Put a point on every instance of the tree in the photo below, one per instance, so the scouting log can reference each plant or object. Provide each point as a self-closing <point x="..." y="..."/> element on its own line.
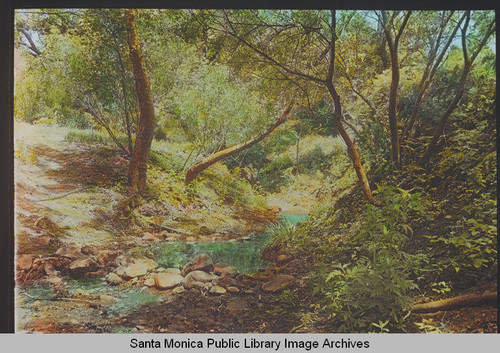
<point x="145" y="128"/>
<point x="392" y="40"/>
<point x="274" y="38"/>
<point x="193" y="172"/>
<point x="468" y="62"/>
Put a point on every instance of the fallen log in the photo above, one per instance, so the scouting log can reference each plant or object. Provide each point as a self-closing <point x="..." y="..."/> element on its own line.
<point x="488" y="297"/>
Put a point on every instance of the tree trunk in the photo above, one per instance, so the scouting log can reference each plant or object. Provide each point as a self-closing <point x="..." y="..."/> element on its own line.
<point x="193" y="172"/>
<point x="393" y="102"/>
<point x="145" y="127"/>
<point x="456" y="303"/>
<point x="393" y="44"/>
<point x="352" y="151"/>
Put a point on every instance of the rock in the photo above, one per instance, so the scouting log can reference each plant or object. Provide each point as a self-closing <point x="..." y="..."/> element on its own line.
<point x="283" y="258"/>
<point x="202" y="286"/>
<point x="98" y="273"/>
<point x="81" y="294"/>
<point x="105" y="257"/>
<point x="89" y="250"/>
<point x="151" y="264"/>
<point x="25" y="261"/>
<point x="124" y="260"/>
<point x="70" y="251"/>
<point x="80" y="267"/>
<point x="107" y="299"/>
<point x="197" y="276"/>
<point x="136" y="270"/>
<point x="113" y="279"/>
<point x="200" y="263"/>
<point x="44" y="240"/>
<point x="277" y="283"/>
<point x="178" y="290"/>
<point x="149" y="254"/>
<point x="232" y="289"/>
<point x="167" y="280"/>
<point x="120" y="271"/>
<point x="224" y="270"/>
<point x="175" y="271"/>
<point x="149" y="282"/>
<point x="149" y="237"/>
<point x="49" y="269"/>
<point x="217" y="290"/>
<point x="55" y="280"/>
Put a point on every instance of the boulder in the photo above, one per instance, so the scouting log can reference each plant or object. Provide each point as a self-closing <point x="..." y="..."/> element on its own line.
<point x="107" y="299"/>
<point x="224" y="270"/>
<point x="149" y="282"/>
<point x="124" y="260"/>
<point x="120" y="271"/>
<point x="232" y="289"/>
<point x="167" y="280"/>
<point x="25" y="261"/>
<point x="277" y="283"/>
<point x="200" y="263"/>
<point x="197" y="276"/>
<point x="175" y="271"/>
<point x="105" y="257"/>
<point x="150" y="263"/>
<point x="113" y="279"/>
<point x="89" y="250"/>
<point x="80" y="267"/>
<point x="217" y="290"/>
<point x="50" y="269"/>
<point x="71" y="251"/>
<point x="55" y="280"/>
<point x="136" y="270"/>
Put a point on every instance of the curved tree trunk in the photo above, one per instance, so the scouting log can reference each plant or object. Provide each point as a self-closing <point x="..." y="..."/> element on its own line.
<point x="145" y="127"/>
<point x="193" y="172"/>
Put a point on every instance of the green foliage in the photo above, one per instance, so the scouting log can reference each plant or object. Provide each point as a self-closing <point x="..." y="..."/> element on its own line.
<point x="315" y="160"/>
<point x="276" y="174"/>
<point x="92" y="137"/>
<point x="375" y="285"/>
<point x="281" y="234"/>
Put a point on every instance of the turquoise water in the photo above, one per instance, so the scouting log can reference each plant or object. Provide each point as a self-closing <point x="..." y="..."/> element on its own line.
<point x="244" y="255"/>
<point x="294" y="218"/>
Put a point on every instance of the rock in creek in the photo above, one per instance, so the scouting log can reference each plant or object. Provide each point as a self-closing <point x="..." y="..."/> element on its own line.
<point x="277" y="283"/>
<point x="136" y="270"/>
<point x="107" y="299"/>
<point x="167" y="280"/>
<point x="80" y="267"/>
<point x="200" y="263"/>
<point x="113" y="279"/>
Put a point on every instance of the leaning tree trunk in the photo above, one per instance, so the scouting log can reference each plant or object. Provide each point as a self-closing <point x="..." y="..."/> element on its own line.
<point x="193" y="172"/>
<point x="145" y="127"/>
<point x="352" y="151"/>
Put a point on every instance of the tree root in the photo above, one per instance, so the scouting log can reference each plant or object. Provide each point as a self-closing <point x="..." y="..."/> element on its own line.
<point x="456" y="303"/>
